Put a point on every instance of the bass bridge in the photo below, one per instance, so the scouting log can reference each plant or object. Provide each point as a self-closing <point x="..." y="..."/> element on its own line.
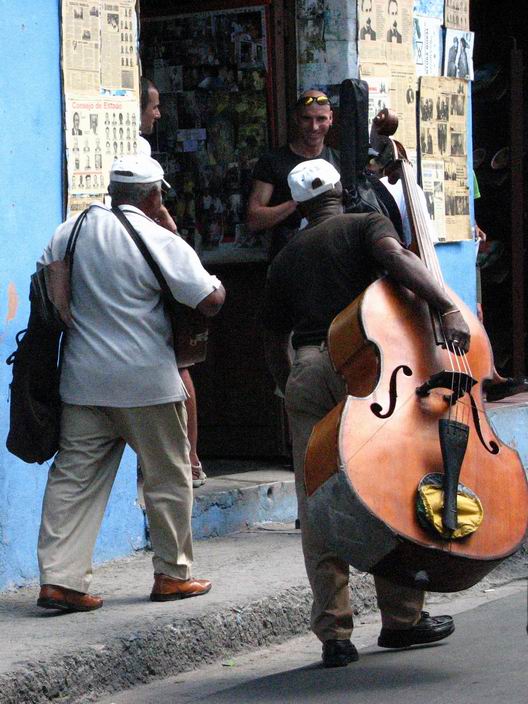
<point x="458" y="383"/>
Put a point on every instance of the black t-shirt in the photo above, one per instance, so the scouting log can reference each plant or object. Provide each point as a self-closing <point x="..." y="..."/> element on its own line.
<point x="274" y="168"/>
<point x="321" y="271"/>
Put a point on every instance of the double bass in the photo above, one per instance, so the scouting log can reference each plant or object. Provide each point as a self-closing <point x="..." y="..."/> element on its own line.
<point x="413" y="419"/>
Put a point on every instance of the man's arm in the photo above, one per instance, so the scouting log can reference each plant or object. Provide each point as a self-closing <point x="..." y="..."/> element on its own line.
<point x="211" y="304"/>
<point x="166" y="220"/>
<point x="261" y="216"/>
<point x="276" y="350"/>
<point x="407" y="269"/>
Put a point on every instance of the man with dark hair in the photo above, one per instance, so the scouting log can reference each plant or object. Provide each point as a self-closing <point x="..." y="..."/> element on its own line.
<point x="315" y="276"/>
<point x="120" y="385"/>
<point x="270" y="206"/>
<point x="150" y="114"/>
<point x="149" y="104"/>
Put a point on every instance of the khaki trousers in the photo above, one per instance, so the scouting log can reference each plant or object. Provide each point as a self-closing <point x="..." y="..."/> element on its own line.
<point x="92" y="442"/>
<point x="313" y="389"/>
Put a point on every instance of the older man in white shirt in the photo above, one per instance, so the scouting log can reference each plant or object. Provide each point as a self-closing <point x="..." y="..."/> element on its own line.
<point x="120" y="385"/>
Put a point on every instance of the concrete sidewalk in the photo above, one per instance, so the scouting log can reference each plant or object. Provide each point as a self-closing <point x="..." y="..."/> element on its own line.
<point x="259" y="596"/>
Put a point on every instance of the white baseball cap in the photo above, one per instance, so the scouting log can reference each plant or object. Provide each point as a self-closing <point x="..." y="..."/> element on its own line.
<point x="137" y="168"/>
<point x="302" y="177"/>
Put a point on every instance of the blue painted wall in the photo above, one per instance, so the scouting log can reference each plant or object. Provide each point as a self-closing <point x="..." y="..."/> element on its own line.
<point x="30" y="209"/>
<point x="457" y="260"/>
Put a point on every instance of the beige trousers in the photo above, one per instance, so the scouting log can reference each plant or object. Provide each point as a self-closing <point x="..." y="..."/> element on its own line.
<point x="313" y="389"/>
<point x="92" y="442"/>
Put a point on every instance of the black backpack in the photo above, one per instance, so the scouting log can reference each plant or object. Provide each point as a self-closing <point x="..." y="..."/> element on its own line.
<point x="34" y="403"/>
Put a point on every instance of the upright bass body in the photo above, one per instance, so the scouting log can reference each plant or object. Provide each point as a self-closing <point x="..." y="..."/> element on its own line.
<point x="367" y="457"/>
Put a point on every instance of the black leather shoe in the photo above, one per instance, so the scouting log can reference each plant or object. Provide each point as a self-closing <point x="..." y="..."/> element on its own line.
<point x="429" y="629"/>
<point x="338" y="653"/>
<point x="508" y="387"/>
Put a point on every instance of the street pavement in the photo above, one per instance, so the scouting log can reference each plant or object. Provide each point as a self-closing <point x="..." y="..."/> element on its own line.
<point x="484" y="661"/>
<point x="260" y="597"/>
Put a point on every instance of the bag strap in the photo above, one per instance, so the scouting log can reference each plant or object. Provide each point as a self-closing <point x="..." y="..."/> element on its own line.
<point x="134" y="234"/>
<point x="70" y="250"/>
<point x="74" y="235"/>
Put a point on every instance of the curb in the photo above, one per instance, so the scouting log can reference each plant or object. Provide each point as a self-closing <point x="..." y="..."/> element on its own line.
<point x="161" y="651"/>
<point x="224" y="511"/>
<point x="142" y="655"/>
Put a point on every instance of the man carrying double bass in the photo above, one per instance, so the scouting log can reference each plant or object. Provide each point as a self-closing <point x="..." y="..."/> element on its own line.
<point x="317" y="274"/>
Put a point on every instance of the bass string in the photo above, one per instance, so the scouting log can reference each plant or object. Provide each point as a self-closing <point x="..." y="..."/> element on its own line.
<point x="420" y="222"/>
<point x="421" y="226"/>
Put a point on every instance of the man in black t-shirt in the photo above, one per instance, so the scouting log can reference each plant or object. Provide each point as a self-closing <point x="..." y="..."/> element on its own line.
<point x="315" y="276"/>
<point x="272" y="170"/>
<point x="270" y="205"/>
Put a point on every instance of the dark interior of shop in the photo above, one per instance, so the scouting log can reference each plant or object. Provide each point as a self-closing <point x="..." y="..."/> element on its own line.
<point x="499" y="91"/>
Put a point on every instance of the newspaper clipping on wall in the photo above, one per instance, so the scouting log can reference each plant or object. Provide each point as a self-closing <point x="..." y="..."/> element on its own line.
<point x="443" y="148"/>
<point x="394" y="88"/>
<point x="385" y="31"/>
<point x="98" y="130"/>
<point x="458" y="54"/>
<point x="385" y="47"/>
<point x="457" y="14"/>
<point x="99" y="42"/>
<point x="427" y="45"/>
<point x="101" y="93"/>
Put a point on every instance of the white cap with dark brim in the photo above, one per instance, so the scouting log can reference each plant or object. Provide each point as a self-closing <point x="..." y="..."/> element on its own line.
<point x="137" y="168"/>
<point x="310" y="178"/>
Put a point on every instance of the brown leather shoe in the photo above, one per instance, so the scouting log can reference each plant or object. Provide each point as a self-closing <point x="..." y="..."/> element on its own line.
<point x="62" y="599"/>
<point x="168" y="589"/>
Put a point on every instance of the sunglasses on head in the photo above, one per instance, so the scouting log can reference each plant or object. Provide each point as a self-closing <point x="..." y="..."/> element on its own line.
<point x="309" y="99"/>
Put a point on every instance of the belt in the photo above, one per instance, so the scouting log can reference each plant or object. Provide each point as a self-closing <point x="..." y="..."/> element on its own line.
<point x="320" y="346"/>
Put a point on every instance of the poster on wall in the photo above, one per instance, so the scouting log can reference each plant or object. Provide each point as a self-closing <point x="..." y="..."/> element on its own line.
<point x="427" y="45"/>
<point x="101" y="93"/>
<point x="212" y="72"/>
<point x="97" y="131"/>
<point x="458" y="54"/>
<point x="457" y="14"/>
<point x="385" y="48"/>
<point x="430" y="8"/>
<point x="394" y="87"/>
<point x="385" y="31"/>
<point x="443" y="121"/>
